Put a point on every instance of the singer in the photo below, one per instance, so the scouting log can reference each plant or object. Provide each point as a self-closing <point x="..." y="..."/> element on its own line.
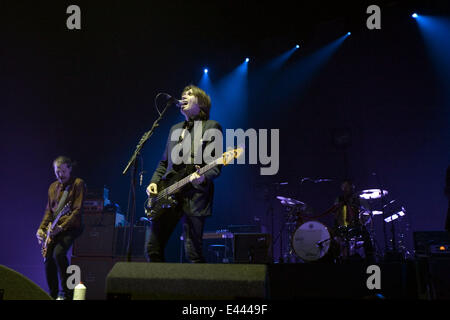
<point x="195" y="201"/>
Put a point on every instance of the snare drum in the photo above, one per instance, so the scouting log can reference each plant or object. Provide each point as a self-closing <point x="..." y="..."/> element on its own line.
<point x="311" y="241"/>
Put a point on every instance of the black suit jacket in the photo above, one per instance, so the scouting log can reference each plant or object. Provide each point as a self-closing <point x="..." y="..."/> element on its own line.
<point x="196" y="200"/>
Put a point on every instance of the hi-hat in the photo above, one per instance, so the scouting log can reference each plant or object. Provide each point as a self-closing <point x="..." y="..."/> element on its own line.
<point x="372" y="194"/>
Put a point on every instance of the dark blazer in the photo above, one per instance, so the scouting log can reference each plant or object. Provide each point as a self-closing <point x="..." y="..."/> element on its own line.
<point x="73" y="220"/>
<point x="196" y="200"/>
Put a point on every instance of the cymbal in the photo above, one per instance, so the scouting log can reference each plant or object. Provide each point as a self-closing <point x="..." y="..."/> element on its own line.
<point x="374" y="212"/>
<point x="372" y="194"/>
<point x="289" y="201"/>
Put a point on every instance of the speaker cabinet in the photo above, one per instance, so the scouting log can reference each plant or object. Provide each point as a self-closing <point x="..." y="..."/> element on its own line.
<point x="15" y="286"/>
<point x="95" y="241"/>
<point x="133" y="280"/>
<point x="252" y="248"/>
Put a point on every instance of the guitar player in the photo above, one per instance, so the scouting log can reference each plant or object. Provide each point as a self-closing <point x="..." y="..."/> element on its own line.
<point x="65" y="189"/>
<point x="195" y="202"/>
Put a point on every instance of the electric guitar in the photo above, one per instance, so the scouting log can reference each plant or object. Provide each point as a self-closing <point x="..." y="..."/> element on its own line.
<point x="51" y="226"/>
<point x="176" y="181"/>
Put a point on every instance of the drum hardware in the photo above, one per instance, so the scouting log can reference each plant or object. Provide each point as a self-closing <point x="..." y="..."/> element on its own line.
<point x="320" y="244"/>
<point x="374" y="203"/>
<point x="293" y="209"/>
<point x="315" y="180"/>
<point x="267" y="190"/>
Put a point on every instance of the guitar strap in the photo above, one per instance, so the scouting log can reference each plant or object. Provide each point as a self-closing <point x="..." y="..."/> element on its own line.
<point x="62" y="201"/>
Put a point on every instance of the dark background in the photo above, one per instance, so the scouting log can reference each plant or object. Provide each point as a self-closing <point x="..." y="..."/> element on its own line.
<point x="89" y="94"/>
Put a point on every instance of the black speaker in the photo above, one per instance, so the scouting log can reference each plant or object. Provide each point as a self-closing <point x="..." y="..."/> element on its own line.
<point x="252" y="248"/>
<point x="15" y="286"/>
<point x="134" y="280"/>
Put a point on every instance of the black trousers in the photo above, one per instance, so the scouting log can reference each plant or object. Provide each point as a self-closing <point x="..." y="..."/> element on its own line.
<point x="162" y="228"/>
<point x="57" y="262"/>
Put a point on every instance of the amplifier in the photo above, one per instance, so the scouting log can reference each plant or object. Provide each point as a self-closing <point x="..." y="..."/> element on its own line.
<point x="93" y="205"/>
<point x="98" y="235"/>
<point x="428" y="243"/>
<point x="252" y="248"/>
<point x="97" y="193"/>
<point x="141" y="235"/>
<point x="440" y="250"/>
<point x="103" y="219"/>
<point x="95" y="241"/>
<point x="217" y="247"/>
<point x="244" y="228"/>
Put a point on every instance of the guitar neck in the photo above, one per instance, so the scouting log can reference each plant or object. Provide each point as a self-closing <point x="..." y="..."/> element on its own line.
<point x="178" y="185"/>
<point x="62" y="212"/>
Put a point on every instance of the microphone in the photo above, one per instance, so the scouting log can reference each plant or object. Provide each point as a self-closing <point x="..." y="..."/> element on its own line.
<point x="171" y="99"/>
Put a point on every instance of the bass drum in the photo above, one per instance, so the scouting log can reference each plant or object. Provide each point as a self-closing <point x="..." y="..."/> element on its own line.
<point x="311" y="241"/>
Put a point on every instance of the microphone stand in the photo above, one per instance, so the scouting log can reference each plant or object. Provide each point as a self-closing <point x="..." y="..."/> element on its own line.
<point x="132" y="163"/>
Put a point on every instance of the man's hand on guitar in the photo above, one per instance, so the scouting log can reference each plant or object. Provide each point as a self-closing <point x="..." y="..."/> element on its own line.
<point x="40" y="234"/>
<point x="195" y="178"/>
<point x="152" y="189"/>
<point x="56" y="231"/>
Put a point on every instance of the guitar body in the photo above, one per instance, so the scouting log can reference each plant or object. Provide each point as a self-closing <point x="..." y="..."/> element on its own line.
<point x="157" y="206"/>
<point x="47" y="240"/>
<point x="51" y="225"/>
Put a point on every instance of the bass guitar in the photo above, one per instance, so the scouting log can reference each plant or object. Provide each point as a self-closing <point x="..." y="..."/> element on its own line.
<point x="176" y="181"/>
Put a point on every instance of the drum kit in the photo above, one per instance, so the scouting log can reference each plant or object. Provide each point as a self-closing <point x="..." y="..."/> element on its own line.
<point x="310" y="240"/>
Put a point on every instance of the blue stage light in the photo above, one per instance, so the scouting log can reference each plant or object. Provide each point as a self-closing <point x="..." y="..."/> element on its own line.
<point x="297" y="46"/>
<point x="247" y="59"/>
<point x="349" y="33"/>
<point x="414" y="15"/>
<point x="205" y="71"/>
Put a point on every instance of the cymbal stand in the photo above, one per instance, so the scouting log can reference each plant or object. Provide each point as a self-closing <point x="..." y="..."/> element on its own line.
<point x="290" y="256"/>
<point x="270" y="212"/>
<point x="373" y="240"/>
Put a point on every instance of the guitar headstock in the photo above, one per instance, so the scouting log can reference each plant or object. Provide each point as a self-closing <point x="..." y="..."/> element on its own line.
<point x="228" y="156"/>
<point x="66" y="208"/>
